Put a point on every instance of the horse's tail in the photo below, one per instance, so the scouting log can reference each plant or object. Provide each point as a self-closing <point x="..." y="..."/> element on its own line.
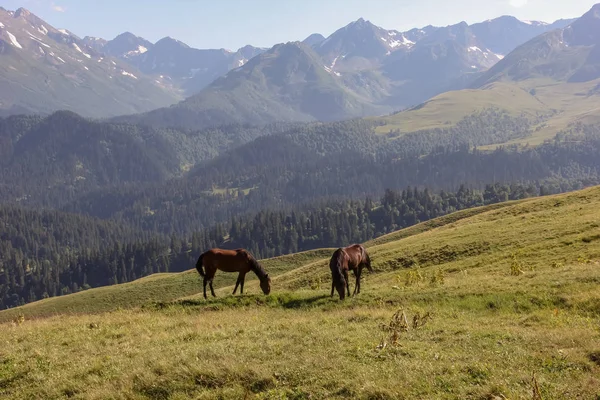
<point x="368" y="261"/>
<point x="199" y="265"/>
<point x="337" y="274"/>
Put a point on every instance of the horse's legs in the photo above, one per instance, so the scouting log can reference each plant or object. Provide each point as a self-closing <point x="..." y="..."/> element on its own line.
<point x="237" y="283"/>
<point x="242" y="279"/>
<point x="347" y="281"/>
<point x="211" y="288"/>
<point x="358" y="279"/>
<point x="332" y="286"/>
<point x="209" y="274"/>
<point x="357" y="282"/>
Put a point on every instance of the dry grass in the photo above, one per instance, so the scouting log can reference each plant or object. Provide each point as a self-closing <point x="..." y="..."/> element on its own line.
<point x="467" y="329"/>
<point x="447" y="109"/>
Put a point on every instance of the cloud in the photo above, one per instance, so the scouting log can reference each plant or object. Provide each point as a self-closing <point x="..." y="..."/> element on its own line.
<point x="58" y="8"/>
<point x="518" y="3"/>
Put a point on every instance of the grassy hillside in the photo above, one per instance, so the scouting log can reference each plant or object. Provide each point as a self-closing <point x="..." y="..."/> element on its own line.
<point x="510" y="292"/>
<point x="166" y="287"/>
<point x="446" y="109"/>
<point x="552" y="106"/>
<point x="162" y="287"/>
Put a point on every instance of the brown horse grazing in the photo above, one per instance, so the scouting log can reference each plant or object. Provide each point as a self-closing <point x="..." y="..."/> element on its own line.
<point x="239" y="260"/>
<point x="353" y="258"/>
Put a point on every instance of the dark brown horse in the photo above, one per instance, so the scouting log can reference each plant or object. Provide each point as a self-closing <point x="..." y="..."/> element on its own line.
<point x="353" y="258"/>
<point x="239" y="260"/>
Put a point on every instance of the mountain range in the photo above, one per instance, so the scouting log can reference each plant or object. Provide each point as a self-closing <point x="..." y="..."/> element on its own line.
<point x="552" y="79"/>
<point x="360" y="69"/>
<point x="191" y="69"/>
<point x="571" y="55"/>
<point x="44" y="69"/>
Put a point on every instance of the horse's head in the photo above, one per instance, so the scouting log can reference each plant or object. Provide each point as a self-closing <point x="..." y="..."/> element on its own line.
<point x="265" y="284"/>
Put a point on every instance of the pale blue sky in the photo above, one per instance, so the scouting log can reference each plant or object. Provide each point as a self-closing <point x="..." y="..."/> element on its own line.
<point x="233" y="23"/>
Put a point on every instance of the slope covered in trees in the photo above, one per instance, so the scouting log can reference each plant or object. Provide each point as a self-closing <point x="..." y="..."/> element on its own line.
<point x="138" y="174"/>
<point x="277" y="172"/>
<point x="57" y="158"/>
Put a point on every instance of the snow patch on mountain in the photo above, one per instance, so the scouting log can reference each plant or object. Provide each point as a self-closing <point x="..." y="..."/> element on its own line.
<point x="140" y="50"/>
<point x="42" y="43"/>
<point x="393" y="43"/>
<point x="81" y="51"/>
<point x="404" y="42"/>
<point x="333" y="63"/>
<point x="1" y="25"/>
<point x="13" y="40"/>
<point x="330" y="69"/>
<point x="125" y="73"/>
<point x="534" y="23"/>
<point x="37" y="39"/>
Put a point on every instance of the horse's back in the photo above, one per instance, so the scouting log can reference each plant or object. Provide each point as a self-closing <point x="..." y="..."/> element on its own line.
<point x="227" y="260"/>
<point x="356" y="254"/>
<point x="355" y="247"/>
<point x="226" y="252"/>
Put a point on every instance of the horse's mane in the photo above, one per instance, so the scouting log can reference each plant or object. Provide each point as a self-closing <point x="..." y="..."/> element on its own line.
<point x="256" y="267"/>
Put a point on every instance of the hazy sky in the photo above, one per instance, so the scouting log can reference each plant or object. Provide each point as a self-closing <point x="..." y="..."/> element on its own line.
<point x="233" y="23"/>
